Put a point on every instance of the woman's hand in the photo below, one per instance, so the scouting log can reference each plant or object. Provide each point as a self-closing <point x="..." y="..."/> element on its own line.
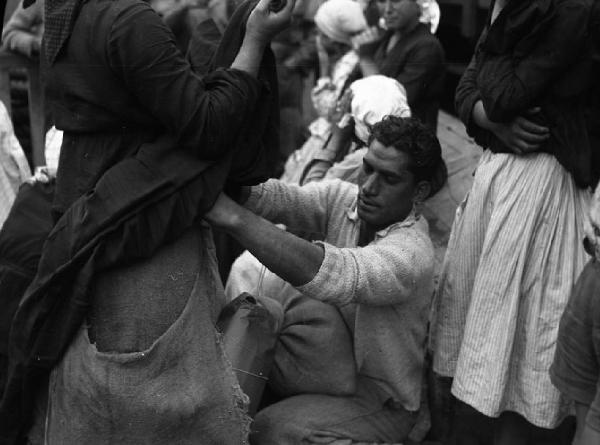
<point x="342" y="107"/>
<point x="26" y="44"/>
<point x="521" y="135"/>
<point x="264" y="23"/>
<point x="367" y="42"/>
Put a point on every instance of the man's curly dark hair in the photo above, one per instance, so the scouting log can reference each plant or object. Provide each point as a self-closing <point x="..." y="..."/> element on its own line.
<point x="411" y="136"/>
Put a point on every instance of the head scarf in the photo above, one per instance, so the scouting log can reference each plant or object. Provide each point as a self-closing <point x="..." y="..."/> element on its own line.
<point x="374" y="97"/>
<point x="430" y="14"/>
<point x="340" y="19"/>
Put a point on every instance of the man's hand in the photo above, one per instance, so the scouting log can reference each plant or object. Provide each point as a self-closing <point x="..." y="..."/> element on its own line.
<point x="224" y="214"/>
<point x="293" y="259"/>
<point x="264" y="23"/>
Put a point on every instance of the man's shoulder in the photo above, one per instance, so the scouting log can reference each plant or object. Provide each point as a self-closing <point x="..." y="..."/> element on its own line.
<point x="413" y="230"/>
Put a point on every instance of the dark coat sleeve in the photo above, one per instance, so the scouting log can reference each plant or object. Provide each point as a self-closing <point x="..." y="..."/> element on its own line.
<point x="467" y="95"/>
<point x="511" y="85"/>
<point x="200" y="112"/>
<point x="423" y="67"/>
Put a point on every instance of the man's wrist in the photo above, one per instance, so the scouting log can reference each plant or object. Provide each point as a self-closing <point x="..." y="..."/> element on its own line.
<point x="233" y="221"/>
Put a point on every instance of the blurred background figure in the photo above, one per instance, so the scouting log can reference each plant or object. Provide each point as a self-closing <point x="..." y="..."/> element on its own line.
<point x="336" y="21"/>
<point x="14" y="169"/>
<point x="406" y="50"/>
<point x="183" y="16"/>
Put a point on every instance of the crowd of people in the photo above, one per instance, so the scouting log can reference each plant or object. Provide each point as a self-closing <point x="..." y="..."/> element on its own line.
<point x="302" y="133"/>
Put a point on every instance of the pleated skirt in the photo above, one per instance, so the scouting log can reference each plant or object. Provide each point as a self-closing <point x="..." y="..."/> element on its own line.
<point x="514" y="254"/>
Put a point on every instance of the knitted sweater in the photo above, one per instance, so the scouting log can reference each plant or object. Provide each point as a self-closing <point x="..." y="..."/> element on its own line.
<point x="389" y="281"/>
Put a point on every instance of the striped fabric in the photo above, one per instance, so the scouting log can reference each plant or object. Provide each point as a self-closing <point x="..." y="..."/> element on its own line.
<point x="514" y="254"/>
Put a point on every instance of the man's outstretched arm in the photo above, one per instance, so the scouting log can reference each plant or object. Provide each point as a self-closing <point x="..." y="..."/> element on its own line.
<point x="294" y="259"/>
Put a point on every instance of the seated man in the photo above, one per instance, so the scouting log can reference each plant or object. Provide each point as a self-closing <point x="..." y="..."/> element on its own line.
<point x="375" y="265"/>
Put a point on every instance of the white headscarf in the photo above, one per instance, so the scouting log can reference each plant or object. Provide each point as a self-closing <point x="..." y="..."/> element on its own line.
<point x="374" y="97"/>
<point x="430" y="13"/>
<point x="340" y="19"/>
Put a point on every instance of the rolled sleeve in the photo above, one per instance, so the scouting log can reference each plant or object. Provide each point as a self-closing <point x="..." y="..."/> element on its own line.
<point x="303" y="209"/>
<point x="386" y="272"/>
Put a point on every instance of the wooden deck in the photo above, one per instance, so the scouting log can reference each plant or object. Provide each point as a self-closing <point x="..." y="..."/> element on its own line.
<point x="461" y="155"/>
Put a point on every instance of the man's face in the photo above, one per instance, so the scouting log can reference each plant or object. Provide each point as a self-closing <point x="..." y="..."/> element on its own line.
<point x="387" y="188"/>
<point x="399" y="15"/>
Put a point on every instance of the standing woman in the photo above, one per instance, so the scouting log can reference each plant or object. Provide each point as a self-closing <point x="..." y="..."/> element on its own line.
<point x="515" y="249"/>
<point x="122" y="312"/>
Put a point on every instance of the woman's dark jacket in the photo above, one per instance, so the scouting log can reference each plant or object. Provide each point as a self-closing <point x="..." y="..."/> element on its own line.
<point x="537" y="53"/>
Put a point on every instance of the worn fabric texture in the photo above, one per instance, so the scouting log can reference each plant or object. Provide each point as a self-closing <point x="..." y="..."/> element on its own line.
<point x="145" y="152"/>
<point x="536" y="54"/>
<point x="304" y="363"/>
<point x="514" y="254"/>
<point x="250" y="330"/>
<point x="576" y="367"/>
<point x="179" y="389"/>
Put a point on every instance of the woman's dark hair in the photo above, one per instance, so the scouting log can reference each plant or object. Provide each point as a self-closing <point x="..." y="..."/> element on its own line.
<point x="411" y="136"/>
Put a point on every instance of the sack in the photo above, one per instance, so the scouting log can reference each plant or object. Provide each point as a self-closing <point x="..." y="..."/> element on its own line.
<point x="314" y="353"/>
<point x="250" y="335"/>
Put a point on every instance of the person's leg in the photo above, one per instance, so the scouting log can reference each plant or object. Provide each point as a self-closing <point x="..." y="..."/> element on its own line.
<point x="511" y="429"/>
<point x="321" y="419"/>
<point x="469" y="426"/>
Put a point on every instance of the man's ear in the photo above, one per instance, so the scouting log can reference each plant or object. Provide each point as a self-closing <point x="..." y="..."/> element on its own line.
<point x="422" y="191"/>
